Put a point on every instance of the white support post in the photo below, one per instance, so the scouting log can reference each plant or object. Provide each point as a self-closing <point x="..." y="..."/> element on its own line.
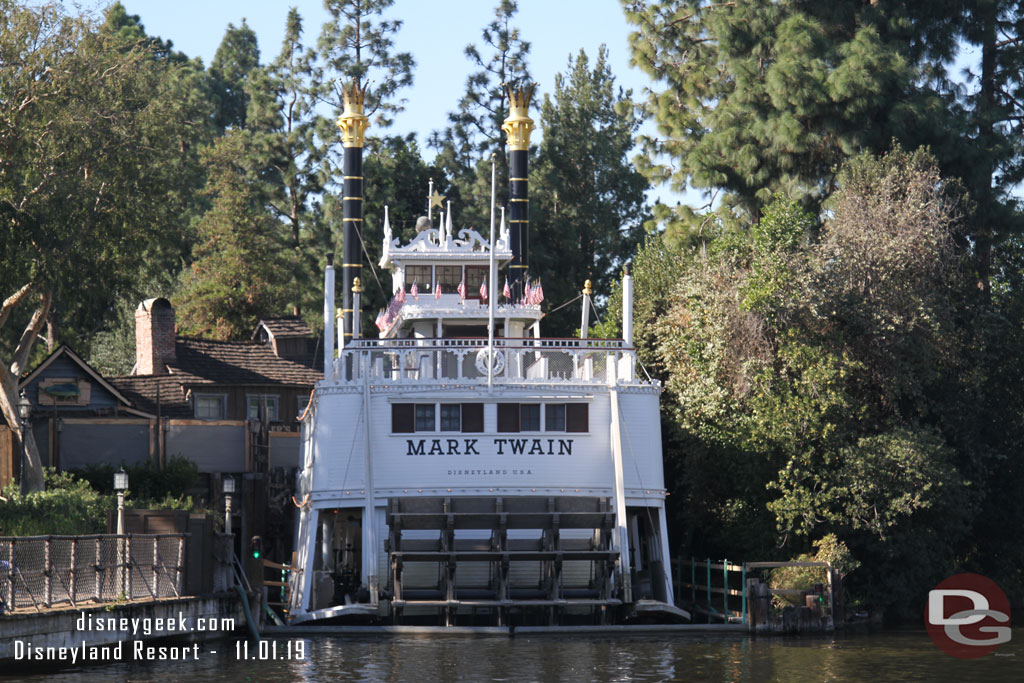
<point x="621" y="536"/>
<point x="329" y="317"/>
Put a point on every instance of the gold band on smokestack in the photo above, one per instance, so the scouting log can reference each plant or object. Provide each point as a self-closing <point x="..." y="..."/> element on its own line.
<point x="353" y="124"/>
<point x="518" y="127"/>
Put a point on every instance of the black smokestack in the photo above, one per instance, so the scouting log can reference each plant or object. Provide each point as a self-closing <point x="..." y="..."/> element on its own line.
<point x="353" y="124"/>
<point x="518" y="127"/>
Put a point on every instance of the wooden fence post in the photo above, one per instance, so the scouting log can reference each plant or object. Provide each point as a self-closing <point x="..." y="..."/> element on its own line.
<point x="71" y="572"/>
<point x="97" y="569"/>
<point x="48" y="572"/>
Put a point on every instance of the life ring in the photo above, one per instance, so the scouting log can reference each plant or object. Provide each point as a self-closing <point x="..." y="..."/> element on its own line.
<point x="482" y="357"/>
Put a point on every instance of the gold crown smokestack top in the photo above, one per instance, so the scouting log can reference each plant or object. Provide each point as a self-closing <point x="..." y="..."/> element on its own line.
<point x="353" y="124"/>
<point x="518" y="127"/>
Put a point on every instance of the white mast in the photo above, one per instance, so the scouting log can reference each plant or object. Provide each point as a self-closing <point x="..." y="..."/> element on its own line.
<point x="492" y="291"/>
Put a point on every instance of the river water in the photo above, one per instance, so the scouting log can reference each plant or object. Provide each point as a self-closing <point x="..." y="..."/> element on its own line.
<point x="906" y="655"/>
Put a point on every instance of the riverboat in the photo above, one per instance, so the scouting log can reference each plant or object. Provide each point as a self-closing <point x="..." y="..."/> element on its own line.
<point x="459" y="468"/>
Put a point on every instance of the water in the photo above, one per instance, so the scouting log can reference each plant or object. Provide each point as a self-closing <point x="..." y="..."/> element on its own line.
<point x="907" y="655"/>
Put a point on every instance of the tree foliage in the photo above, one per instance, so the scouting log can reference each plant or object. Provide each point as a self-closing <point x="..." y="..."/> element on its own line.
<point x="94" y="133"/>
<point x="818" y="377"/>
<point x="240" y="269"/>
<point x="587" y="199"/>
<point x="474" y="132"/>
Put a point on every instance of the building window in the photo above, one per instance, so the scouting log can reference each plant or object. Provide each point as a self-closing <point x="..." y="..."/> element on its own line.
<point x="475" y="275"/>
<point x="423" y="276"/>
<point x="449" y="277"/>
<point x="425" y="417"/>
<point x="407" y="418"/>
<point x="529" y="417"/>
<point x="451" y="417"/>
<point x="554" y="417"/>
<point x="210" y="406"/>
<point x="264" y="405"/>
<point x="518" y="417"/>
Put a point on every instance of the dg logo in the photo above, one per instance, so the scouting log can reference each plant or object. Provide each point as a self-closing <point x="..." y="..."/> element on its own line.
<point x="968" y="616"/>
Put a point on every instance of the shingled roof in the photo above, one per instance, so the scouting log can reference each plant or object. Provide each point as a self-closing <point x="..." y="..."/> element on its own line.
<point x="284" y="327"/>
<point x="143" y="391"/>
<point x="226" y="363"/>
<point x="241" y="363"/>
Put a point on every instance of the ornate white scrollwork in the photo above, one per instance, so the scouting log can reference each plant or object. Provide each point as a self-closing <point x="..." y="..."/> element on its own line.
<point x="482" y="357"/>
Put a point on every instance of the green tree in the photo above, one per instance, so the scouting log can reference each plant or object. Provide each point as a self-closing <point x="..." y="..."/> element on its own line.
<point x="763" y="98"/>
<point x="816" y="377"/>
<point x="236" y="57"/>
<point x="474" y="132"/>
<point x="282" y="141"/>
<point x="588" y="200"/>
<point x="356" y="47"/>
<point x="76" y="106"/>
<point x="240" y="270"/>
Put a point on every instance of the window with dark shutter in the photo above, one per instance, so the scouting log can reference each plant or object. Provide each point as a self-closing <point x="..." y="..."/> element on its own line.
<point x="576" y="417"/>
<point x="472" y="417"/>
<point x="402" y="418"/>
<point x="508" y="417"/>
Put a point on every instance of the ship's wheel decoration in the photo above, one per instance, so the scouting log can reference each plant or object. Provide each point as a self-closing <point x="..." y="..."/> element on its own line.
<point x="498" y="363"/>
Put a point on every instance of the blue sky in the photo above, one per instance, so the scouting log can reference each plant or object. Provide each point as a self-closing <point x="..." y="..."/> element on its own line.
<point x="434" y="32"/>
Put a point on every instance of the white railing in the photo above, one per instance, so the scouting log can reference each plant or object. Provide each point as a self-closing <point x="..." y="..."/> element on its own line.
<point x="520" y="360"/>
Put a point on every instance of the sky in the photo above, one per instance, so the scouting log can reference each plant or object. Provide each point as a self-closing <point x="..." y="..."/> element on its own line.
<point x="435" y="31"/>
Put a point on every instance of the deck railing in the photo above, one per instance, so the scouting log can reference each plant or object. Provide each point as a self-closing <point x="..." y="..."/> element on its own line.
<point x="42" y="571"/>
<point x="518" y="360"/>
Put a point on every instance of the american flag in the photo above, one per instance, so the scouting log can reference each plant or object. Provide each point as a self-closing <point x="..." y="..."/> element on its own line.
<point x="437" y="291"/>
<point x="400" y="297"/>
<point x="527" y="293"/>
<point x="483" y="290"/>
<point x="538" y="293"/>
<point x="507" y="293"/>
<point x="461" y="289"/>
<point x="379" y="322"/>
<point x="415" y="291"/>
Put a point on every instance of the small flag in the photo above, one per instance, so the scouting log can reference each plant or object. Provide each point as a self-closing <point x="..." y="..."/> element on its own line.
<point x="462" y="289"/>
<point x="379" y="322"/>
<point x="507" y="293"/>
<point x="437" y="291"/>
<point x="483" y="290"/>
<point x="415" y="292"/>
<point x="539" y="293"/>
<point x="400" y="297"/>
<point x="526" y="293"/>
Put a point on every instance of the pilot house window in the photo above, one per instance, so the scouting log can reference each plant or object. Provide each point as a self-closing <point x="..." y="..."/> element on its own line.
<point x="407" y="418"/>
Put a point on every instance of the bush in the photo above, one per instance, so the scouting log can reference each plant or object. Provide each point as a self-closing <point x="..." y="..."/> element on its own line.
<point x="67" y="506"/>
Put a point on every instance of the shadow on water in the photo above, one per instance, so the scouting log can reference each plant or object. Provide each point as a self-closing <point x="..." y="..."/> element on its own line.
<point x="887" y="655"/>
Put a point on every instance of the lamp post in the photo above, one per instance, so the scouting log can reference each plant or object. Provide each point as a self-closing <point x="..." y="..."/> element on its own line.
<point x="24" y="411"/>
<point x="228" y="484"/>
<point x="120" y="485"/>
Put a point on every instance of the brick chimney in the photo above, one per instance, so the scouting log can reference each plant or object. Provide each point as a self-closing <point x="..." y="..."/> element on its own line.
<point x="154" y="337"/>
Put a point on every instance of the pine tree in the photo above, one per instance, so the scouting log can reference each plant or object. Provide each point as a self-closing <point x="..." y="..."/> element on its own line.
<point x="761" y="98"/>
<point x="474" y="132"/>
<point x="356" y="45"/>
<point x="237" y="55"/>
<point x="240" y="269"/>
<point x="588" y="201"/>
<point x="281" y="129"/>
